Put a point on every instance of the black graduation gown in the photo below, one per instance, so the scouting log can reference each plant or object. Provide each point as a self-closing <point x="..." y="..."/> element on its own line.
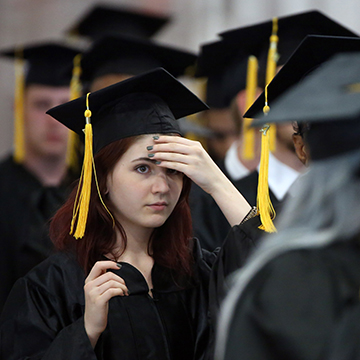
<point x="345" y="341"/>
<point x="237" y="247"/>
<point x="25" y="208"/>
<point x="43" y="317"/>
<point x="291" y="306"/>
<point x="209" y="223"/>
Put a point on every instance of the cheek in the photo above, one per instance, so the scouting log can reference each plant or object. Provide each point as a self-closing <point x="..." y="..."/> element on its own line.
<point x="177" y="187"/>
<point x="122" y="189"/>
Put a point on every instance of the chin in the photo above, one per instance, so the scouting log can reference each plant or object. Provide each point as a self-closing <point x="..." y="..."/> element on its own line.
<point x="157" y="223"/>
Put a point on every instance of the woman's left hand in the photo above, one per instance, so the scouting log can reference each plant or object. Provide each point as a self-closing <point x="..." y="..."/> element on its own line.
<point x="190" y="158"/>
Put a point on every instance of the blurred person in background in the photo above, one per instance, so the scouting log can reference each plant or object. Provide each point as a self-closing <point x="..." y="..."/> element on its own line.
<point x="35" y="179"/>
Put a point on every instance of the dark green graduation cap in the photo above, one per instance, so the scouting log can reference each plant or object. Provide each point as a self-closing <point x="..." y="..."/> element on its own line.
<point x="148" y="103"/>
<point x="125" y="55"/>
<point x="312" y="52"/>
<point x="47" y="63"/>
<point x="144" y="104"/>
<point x="329" y="100"/>
<point x="225" y="67"/>
<point x="104" y="20"/>
<point x="291" y="31"/>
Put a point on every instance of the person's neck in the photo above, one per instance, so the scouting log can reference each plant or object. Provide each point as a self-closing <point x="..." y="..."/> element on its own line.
<point x="288" y="157"/>
<point x="50" y="171"/>
<point x="136" y="245"/>
<point x="250" y="164"/>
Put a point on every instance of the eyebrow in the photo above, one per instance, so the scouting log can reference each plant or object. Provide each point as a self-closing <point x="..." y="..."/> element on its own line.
<point x="143" y="159"/>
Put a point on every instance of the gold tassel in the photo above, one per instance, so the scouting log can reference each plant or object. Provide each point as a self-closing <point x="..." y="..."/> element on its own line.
<point x="19" y="141"/>
<point x="82" y="200"/>
<point x="251" y="86"/>
<point x="75" y="92"/>
<point x="271" y="72"/>
<point x="264" y="205"/>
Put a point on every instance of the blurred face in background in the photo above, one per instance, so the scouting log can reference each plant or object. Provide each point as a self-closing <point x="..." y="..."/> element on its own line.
<point x="44" y="136"/>
<point x="220" y="121"/>
<point x="107" y="80"/>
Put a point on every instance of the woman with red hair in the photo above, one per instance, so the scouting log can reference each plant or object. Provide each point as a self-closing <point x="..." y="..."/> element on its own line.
<point x="133" y="284"/>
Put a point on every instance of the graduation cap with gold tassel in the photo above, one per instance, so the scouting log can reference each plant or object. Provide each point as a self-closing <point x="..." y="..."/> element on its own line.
<point x="148" y="103"/>
<point x="327" y="99"/>
<point x="316" y="50"/>
<point x="48" y="64"/>
<point x="286" y="34"/>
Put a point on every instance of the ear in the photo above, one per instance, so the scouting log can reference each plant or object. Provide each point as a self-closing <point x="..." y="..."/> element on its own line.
<point x="300" y="148"/>
<point x="240" y="100"/>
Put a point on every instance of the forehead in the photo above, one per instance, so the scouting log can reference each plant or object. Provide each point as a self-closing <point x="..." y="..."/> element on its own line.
<point x="138" y="147"/>
<point x="47" y="91"/>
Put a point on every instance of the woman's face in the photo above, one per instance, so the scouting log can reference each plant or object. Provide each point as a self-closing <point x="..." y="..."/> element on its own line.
<point x="142" y="194"/>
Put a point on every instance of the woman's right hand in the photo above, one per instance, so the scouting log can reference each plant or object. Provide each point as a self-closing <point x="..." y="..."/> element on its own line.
<point x="100" y="286"/>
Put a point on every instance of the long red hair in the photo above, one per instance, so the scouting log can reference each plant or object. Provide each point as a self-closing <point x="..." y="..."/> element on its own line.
<point x="170" y="243"/>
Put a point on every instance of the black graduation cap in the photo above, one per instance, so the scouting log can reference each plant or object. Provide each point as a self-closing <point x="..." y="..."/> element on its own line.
<point x="144" y="104"/>
<point x="47" y="63"/>
<point x="312" y="52"/>
<point x="329" y="100"/>
<point x="125" y="55"/>
<point x="225" y="67"/>
<point x="110" y="20"/>
<point x="291" y="31"/>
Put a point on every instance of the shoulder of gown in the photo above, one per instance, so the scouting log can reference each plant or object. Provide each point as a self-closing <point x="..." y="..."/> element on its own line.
<point x="290" y="306"/>
<point x="43" y="315"/>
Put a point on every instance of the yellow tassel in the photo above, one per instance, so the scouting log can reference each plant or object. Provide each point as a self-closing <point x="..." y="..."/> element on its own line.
<point x="251" y="86"/>
<point x="82" y="201"/>
<point x="19" y="142"/>
<point x="264" y="205"/>
<point x="75" y="92"/>
<point x="271" y="72"/>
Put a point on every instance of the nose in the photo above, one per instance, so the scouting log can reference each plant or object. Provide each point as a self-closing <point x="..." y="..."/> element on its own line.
<point x="161" y="183"/>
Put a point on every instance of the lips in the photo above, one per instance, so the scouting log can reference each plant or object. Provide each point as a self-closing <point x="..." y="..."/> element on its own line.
<point x="158" y="206"/>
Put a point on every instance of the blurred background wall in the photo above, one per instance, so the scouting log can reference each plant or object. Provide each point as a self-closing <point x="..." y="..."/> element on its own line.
<point x="193" y="23"/>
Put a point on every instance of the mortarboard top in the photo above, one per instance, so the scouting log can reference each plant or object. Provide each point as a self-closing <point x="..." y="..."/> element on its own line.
<point x="328" y="99"/>
<point x="292" y="29"/>
<point x="107" y="20"/>
<point x="48" y="63"/>
<point x="144" y="104"/>
<point x="125" y="55"/>
<point x="312" y="52"/>
<point x="225" y="66"/>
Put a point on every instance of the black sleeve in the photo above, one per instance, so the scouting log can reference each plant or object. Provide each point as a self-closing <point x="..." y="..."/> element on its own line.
<point x="238" y="245"/>
<point x="209" y="223"/>
<point x="37" y="325"/>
